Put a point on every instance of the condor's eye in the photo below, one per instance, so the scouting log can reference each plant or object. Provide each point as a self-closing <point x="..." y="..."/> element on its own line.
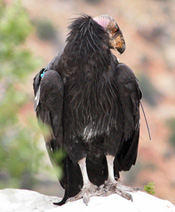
<point x="115" y="30"/>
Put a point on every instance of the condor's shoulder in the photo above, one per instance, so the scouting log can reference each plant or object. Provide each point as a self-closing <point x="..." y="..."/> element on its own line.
<point x="126" y="79"/>
<point x="124" y="73"/>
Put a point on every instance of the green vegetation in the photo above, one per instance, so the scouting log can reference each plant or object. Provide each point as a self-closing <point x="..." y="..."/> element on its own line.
<point x="20" y="157"/>
<point x="150" y="188"/>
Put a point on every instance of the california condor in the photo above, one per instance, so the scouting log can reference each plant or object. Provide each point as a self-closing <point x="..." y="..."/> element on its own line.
<point x="91" y="103"/>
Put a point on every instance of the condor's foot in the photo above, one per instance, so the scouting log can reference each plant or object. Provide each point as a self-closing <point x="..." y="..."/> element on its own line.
<point x="88" y="191"/>
<point x="115" y="187"/>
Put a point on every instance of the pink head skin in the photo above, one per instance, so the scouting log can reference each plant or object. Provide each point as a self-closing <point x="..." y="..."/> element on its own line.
<point x="103" y="20"/>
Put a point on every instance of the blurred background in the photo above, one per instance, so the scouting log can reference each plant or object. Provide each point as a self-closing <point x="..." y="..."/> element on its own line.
<point x="32" y="33"/>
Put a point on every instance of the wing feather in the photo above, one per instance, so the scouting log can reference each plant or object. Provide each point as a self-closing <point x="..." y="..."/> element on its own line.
<point x="49" y="111"/>
<point x="49" y="108"/>
<point x="129" y="96"/>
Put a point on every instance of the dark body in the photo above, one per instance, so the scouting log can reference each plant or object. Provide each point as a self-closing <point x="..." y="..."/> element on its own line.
<point x="91" y="102"/>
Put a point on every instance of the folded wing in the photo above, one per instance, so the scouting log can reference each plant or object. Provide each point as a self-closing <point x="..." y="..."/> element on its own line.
<point x="129" y="97"/>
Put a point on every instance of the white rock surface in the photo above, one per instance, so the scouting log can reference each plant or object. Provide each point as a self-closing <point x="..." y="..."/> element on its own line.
<point x="16" y="200"/>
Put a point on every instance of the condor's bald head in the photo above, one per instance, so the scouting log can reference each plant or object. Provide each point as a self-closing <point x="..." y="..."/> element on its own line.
<point x="116" y="39"/>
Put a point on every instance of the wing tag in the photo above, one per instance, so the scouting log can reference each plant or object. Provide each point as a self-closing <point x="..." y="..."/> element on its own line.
<point x="37" y="98"/>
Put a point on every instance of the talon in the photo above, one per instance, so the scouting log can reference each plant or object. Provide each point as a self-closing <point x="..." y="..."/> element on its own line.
<point x="127" y="196"/>
<point x="86" y="199"/>
<point x="138" y="189"/>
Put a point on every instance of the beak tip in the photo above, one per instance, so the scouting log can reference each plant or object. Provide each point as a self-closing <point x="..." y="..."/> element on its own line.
<point x="121" y="50"/>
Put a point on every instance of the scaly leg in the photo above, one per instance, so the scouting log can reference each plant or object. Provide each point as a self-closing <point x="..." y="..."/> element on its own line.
<point x="110" y="165"/>
<point x="88" y="188"/>
<point x="111" y="185"/>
